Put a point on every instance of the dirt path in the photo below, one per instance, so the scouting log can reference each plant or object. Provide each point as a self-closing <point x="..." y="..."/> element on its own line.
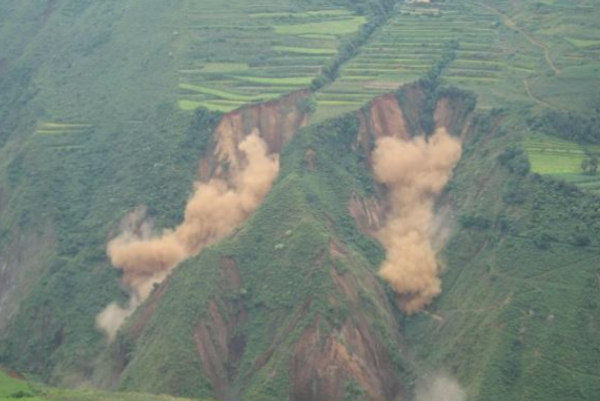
<point x="513" y="25"/>
<point x="534" y="97"/>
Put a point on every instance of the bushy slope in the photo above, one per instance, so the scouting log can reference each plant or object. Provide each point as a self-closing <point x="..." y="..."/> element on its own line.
<point x="97" y="116"/>
<point x="287" y="259"/>
<point x="518" y="317"/>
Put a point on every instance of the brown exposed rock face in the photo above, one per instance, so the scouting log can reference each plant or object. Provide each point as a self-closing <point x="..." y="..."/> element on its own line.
<point x="329" y="362"/>
<point x="387" y="118"/>
<point x="343" y="344"/>
<point x="368" y="213"/>
<point x="383" y="118"/>
<point x="452" y="116"/>
<point x="324" y="365"/>
<point x="219" y="346"/>
<point x="325" y="359"/>
<point x="149" y="308"/>
<point x="276" y="121"/>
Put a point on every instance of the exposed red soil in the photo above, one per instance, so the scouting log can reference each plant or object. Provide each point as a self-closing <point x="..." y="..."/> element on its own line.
<point x="310" y="159"/>
<point x="276" y="122"/>
<point x="413" y="106"/>
<point x="219" y="345"/>
<point x="12" y="373"/>
<point x="323" y="364"/>
<point x="231" y="274"/>
<point x="387" y="117"/>
<point x="450" y="114"/>
<point x="368" y="213"/>
<point x="383" y="118"/>
<point x="300" y="313"/>
<point x="149" y="308"/>
<point x="346" y="284"/>
<point x="336" y="251"/>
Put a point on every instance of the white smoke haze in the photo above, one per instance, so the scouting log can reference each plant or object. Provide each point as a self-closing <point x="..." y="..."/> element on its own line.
<point x="215" y="209"/>
<point x="440" y="388"/>
<point x="415" y="172"/>
<point x="113" y="317"/>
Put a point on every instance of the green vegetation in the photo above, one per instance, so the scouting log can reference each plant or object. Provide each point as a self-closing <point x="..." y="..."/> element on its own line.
<point x="343" y="27"/>
<point x="286" y="240"/>
<point x="52" y="200"/>
<point x="520" y="305"/>
<point x="564" y="160"/>
<point x="264" y="56"/>
<point x="304" y="50"/>
<point x="106" y="106"/>
<point x="550" y="155"/>
<point x="12" y="389"/>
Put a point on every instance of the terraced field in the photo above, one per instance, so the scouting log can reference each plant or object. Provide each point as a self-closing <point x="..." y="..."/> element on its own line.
<point x="253" y="52"/>
<point x="566" y="34"/>
<point x="506" y="52"/>
<point x="562" y="159"/>
<point x="416" y="38"/>
<point x="62" y="136"/>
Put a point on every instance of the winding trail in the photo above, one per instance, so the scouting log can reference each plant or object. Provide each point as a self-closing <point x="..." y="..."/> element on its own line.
<point x="509" y="22"/>
<point x="534" y="97"/>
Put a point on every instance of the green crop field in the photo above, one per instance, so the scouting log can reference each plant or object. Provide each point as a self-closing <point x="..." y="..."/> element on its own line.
<point x="562" y="159"/>
<point x="498" y="57"/>
<point x="11" y="389"/>
<point x="259" y="59"/>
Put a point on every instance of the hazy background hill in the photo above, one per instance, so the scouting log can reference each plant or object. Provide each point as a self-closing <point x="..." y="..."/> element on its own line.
<point x="108" y="106"/>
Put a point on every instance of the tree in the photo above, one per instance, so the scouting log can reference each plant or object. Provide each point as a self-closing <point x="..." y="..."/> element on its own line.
<point x="590" y="165"/>
<point x="594" y="165"/>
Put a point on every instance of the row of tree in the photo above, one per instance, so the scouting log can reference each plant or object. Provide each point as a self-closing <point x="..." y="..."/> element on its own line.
<point x="378" y="12"/>
<point x="569" y="125"/>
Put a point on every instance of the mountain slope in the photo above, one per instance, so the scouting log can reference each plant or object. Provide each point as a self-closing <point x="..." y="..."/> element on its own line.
<point x="88" y="138"/>
<point x="112" y="108"/>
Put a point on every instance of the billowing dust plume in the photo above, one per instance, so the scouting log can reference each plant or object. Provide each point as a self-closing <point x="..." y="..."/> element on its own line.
<point x="215" y="209"/>
<point x="440" y="388"/>
<point x="415" y="172"/>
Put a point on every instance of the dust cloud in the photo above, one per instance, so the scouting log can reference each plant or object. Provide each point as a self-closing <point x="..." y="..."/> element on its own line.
<point x="214" y="210"/>
<point x="113" y="317"/>
<point x="440" y="388"/>
<point x="415" y="172"/>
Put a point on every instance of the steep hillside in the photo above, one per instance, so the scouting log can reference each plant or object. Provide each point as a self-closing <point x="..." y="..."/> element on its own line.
<point x="194" y="202"/>
<point x="95" y="123"/>
<point x="518" y="318"/>
<point x="292" y="294"/>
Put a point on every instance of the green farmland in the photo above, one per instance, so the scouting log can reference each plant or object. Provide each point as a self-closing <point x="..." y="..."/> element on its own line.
<point x="562" y="159"/>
